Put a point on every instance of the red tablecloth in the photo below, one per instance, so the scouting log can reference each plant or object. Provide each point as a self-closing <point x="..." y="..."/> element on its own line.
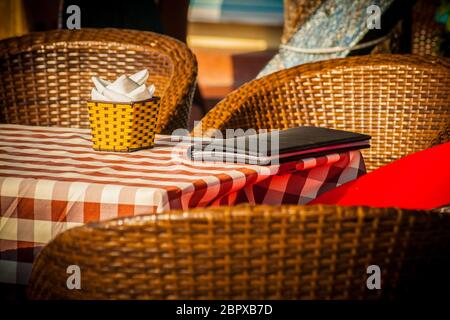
<point x="52" y="180"/>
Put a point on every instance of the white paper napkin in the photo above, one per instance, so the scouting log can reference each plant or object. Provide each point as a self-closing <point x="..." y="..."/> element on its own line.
<point x="124" y="89"/>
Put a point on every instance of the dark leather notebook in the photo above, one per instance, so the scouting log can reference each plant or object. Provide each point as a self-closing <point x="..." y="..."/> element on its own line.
<point x="278" y="146"/>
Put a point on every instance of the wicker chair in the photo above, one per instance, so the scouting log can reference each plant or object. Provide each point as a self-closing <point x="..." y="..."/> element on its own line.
<point x="442" y="137"/>
<point x="425" y="32"/>
<point x="402" y="101"/>
<point x="45" y="78"/>
<point x="244" y="252"/>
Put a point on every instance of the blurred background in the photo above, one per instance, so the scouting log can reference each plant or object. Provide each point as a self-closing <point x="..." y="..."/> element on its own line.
<point x="234" y="40"/>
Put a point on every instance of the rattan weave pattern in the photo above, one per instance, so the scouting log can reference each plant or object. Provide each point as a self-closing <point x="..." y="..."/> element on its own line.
<point x="244" y="252"/>
<point x="402" y="101"/>
<point x="123" y="127"/>
<point x="426" y="33"/>
<point x="45" y="77"/>
<point x="442" y="137"/>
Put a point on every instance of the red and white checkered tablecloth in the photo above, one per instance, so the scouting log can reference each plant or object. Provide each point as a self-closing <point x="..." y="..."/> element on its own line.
<point x="52" y="180"/>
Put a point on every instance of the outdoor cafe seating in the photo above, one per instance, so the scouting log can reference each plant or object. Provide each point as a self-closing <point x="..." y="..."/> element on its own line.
<point x="97" y="171"/>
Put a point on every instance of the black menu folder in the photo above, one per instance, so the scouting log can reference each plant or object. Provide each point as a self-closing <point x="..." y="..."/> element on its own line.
<point x="278" y="146"/>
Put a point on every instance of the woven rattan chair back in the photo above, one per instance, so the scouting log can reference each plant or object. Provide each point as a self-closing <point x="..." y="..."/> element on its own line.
<point x="402" y="101"/>
<point x="442" y="137"/>
<point x="45" y="78"/>
<point x="262" y="252"/>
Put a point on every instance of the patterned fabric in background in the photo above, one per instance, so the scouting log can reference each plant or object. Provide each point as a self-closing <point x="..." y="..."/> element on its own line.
<point x="336" y="23"/>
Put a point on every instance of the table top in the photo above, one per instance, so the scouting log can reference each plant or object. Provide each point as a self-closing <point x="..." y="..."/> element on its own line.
<point x="52" y="180"/>
<point x="60" y="164"/>
<point x="65" y="157"/>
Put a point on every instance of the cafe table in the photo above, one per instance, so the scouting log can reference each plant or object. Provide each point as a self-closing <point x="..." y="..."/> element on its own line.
<point x="52" y="180"/>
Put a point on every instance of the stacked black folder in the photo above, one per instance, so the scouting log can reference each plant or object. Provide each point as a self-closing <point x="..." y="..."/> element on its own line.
<point x="278" y="146"/>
